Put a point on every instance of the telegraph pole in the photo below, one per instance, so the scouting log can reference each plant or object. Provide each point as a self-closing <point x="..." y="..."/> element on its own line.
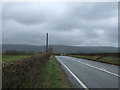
<point x="46" y="42"/>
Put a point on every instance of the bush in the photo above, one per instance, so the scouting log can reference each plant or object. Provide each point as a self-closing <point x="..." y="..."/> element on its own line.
<point x="17" y="73"/>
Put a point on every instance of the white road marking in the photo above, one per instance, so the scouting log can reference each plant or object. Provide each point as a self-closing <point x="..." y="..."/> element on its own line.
<point x="101" y="69"/>
<point x="79" y="81"/>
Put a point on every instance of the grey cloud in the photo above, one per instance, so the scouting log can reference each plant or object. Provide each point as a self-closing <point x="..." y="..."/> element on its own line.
<point x="23" y="13"/>
<point x="67" y="23"/>
<point x="95" y="11"/>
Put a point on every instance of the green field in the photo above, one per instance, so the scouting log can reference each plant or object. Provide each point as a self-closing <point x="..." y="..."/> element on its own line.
<point x="110" y="59"/>
<point x="13" y="57"/>
<point x="0" y="57"/>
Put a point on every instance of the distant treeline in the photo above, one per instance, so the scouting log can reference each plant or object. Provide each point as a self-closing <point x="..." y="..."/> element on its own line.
<point x="97" y="54"/>
<point x="13" y="52"/>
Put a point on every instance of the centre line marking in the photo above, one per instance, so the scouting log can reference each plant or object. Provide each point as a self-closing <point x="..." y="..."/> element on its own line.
<point x="101" y="69"/>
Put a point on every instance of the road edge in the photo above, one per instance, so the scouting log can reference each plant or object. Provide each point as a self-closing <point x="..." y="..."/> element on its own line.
<point x="62" y="71"/>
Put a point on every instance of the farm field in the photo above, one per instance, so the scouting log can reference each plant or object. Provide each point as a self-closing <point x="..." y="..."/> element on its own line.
<point x="6" y="58"/>
<point x="105" y="59"/>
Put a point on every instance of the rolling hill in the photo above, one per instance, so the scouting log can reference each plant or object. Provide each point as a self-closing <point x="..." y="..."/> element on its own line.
<point x="60" y="48"/>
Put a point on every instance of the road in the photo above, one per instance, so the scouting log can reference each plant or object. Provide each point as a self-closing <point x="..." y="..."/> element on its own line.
<point x="88" y="74"/>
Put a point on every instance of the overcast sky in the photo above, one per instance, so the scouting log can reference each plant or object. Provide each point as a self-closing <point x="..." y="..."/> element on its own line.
<point x="75" y="24"/>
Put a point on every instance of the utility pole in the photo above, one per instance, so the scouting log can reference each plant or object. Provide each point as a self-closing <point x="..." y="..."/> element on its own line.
<point x="46" y="42"/>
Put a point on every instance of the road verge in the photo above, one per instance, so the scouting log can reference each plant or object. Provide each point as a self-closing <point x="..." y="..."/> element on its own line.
<point x="109" y="60"/>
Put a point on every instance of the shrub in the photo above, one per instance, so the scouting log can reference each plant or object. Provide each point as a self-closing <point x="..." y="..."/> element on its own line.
<point x="17" y="73"/>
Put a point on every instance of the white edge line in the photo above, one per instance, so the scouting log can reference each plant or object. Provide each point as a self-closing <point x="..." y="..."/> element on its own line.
<point x="98" y="68"/>
<point x="79" y="81"/>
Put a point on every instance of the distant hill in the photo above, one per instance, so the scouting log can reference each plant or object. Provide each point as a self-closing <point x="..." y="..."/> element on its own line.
<point x="61" y="48"/>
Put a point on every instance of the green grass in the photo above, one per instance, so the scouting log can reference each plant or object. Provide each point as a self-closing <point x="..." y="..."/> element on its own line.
<point x="110" y="59"/>
<point x="52" y="76"/>
<point x="0" y="58"/>
<point x="12" y="57"/>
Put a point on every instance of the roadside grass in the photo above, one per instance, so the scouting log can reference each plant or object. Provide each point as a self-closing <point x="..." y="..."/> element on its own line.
<point x="110" y="59"/>
<point x="52" y="76"/>
<point x="6" y="58"/>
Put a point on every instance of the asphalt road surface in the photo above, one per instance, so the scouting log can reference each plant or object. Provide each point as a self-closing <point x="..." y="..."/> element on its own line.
<point x="88" y="74"/>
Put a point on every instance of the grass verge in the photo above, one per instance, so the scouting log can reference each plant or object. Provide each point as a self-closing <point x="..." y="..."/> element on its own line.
<point x="52" y="76"/>
<point x="109" y="60"/>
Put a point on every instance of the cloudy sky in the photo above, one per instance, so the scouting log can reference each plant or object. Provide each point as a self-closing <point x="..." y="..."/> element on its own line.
<point x="75" y="24"/>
